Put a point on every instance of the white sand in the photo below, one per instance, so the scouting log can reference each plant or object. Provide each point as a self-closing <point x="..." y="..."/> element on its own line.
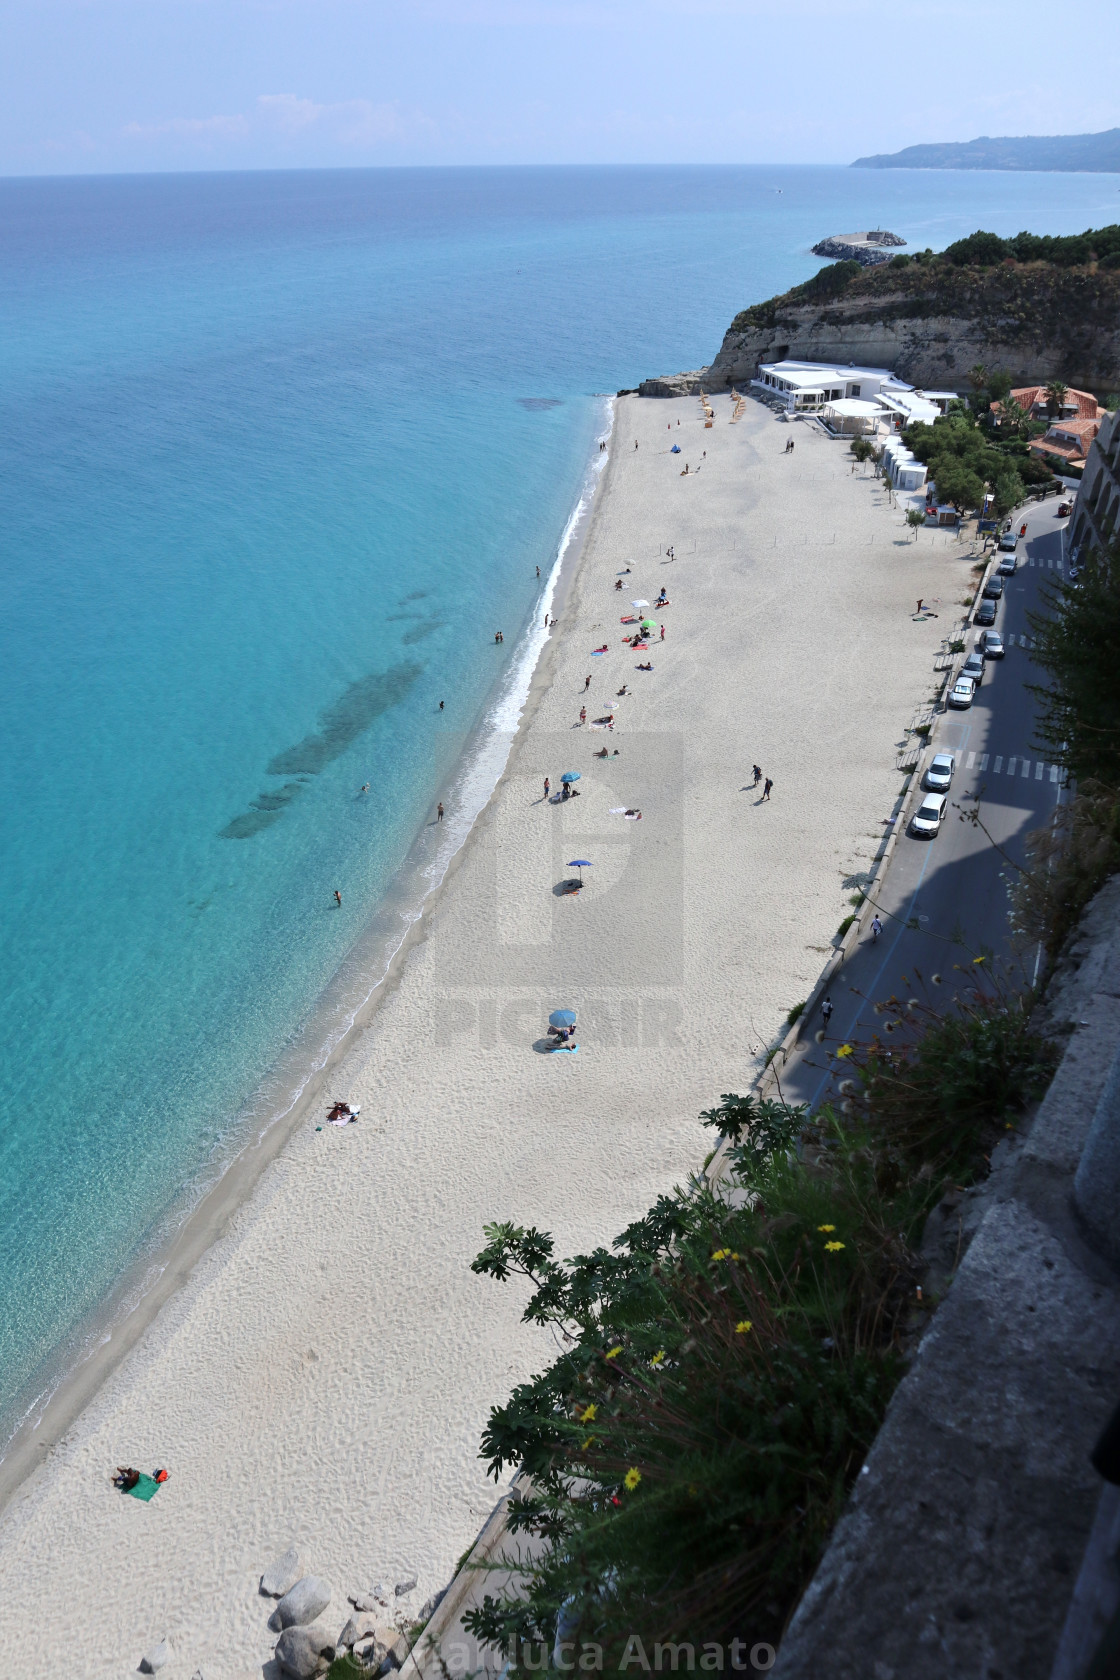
<point x="325" y="1373"/>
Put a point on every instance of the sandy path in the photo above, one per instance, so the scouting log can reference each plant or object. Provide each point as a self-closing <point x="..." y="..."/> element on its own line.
<point x="325" y="1374"/>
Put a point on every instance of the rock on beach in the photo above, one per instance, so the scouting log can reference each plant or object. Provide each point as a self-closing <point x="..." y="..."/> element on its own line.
<point x="302" y="1651"/>
<point x="302" y="1603"/>
<point x="281" y="1575"/>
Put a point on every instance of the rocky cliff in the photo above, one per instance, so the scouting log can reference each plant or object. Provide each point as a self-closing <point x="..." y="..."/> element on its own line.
<point x="931" y="321"/>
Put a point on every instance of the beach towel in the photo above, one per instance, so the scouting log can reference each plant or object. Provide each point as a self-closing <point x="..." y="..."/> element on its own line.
<point x="564" y="1049"/>
<point x="146" y="1488"/>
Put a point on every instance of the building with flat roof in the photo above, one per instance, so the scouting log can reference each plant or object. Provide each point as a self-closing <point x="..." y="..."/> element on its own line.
<point x="817" y="387"/>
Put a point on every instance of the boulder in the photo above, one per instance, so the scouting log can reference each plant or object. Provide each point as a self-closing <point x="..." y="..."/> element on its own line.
<point x="281" y="1575"/>
<point x="406" y="1586"/>
<point x="302" y="1652"/>
<point x="430" y="1605"/>
<point x="372" y="1598"/>
<point x="395" y="1643"/>
<point x="302" y="1603"/>
<point x="357" y="1628"/>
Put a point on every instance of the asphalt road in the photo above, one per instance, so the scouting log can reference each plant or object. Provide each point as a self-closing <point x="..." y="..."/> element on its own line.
<point x="944" y="901"/>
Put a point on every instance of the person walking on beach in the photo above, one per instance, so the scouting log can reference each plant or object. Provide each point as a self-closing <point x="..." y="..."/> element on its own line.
<point x="766" y="786"/>
<point x="547" y="787"/>
<point x="921" y="598"/>
<point x="757" y="774"/>
<point x="826" y="1011"/>
<point x="876" y="928"/>
<point x="662" y="632"/>
<point x="583" y="714"/>
<point x="338" y="898"/>
<point x="635" y="443"/>
<point x="439" y="811"/>
<point x="586" y="684"/>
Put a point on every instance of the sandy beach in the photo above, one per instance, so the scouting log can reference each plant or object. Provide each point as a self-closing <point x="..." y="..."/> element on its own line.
<point x="323" y="1375"/>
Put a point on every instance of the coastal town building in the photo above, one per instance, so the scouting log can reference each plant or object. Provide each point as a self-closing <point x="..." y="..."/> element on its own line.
<point x="901" y="466"/>
<point x="1067" y="441"/>
<point x="1096" y="519"/>
<point x="849" y="399"/>
<point x="1032" y="399"/>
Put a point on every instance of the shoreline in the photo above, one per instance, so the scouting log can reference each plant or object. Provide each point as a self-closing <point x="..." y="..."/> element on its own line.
<point x="203" y="1211"/>
<point x="333" y="1350"/>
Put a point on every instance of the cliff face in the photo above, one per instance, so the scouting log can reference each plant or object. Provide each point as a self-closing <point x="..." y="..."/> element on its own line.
<point x="930" y="322"/>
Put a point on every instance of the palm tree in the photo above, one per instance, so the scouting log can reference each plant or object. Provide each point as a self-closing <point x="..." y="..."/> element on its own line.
<point x="1056" y="394"/>
<point x="1014" y="418"/>
<point x="978" y="376"/>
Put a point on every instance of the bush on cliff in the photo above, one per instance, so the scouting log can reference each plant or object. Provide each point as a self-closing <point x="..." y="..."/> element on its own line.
<point x="724" y="1369"/>
<point x="1076" y="636"/>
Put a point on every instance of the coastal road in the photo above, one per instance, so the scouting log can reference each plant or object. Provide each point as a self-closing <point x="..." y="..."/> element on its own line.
<point x="945" y="900"/>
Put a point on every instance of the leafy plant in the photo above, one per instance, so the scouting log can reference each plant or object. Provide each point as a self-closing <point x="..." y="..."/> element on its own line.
<point x="1075" y="641"/>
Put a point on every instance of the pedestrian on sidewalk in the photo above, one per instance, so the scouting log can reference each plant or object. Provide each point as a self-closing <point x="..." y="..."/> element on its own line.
<point x="876" y="927"/>
<point x="826" y="1011"/>
<point x="767" y="785"/>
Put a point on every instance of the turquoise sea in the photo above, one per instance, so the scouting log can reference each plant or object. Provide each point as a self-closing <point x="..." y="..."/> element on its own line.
<point x="280" y="453"/>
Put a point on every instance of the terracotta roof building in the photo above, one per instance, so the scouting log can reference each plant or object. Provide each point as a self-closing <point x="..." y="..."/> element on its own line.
<point x="1079" y="405"/>
<point x="1070" y="440"/>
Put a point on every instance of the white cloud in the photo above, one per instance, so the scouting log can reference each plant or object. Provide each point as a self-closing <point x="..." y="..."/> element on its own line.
<point x="189" y="128"/>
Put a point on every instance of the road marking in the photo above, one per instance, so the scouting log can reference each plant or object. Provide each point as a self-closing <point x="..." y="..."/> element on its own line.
<point x="1053" y="772"/>
<point x="998" y="765"/>
<point x="1030" y="562"/>
<point x="1039" y="771"/>
<point x="983" y="765"/>
<point x="970" y="761"/>
<point x="1026" y="770"/>
<point x="1011" y="763"/>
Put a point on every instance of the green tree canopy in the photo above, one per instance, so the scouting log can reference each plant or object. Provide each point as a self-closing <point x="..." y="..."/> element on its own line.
<point x="1077" y="642"/>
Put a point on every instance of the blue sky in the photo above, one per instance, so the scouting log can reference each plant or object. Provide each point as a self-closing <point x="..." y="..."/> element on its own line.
<point x="110" y="85"/>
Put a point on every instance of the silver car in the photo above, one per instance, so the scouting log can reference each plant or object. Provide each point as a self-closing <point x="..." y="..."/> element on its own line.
<point x="962" y="693"/>
<point x="973" y="667"/>
<point x="939" y="772"/>
<point x="927" y="819"/>
<point x="991" y="644"/>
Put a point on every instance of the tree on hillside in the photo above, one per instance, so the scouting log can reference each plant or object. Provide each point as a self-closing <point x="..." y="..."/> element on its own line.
<point x="978" y="376"/>
<point x="862" y="449"/>
<point x="1007" y="492"/>
<point x="1056" y="394"/>
<point x="957" y="483"/>
<point x="915" y="518"/>
<point x="1014" y="419"/>
<point x="999" y="385"/>
<point x="1075" y="642"/>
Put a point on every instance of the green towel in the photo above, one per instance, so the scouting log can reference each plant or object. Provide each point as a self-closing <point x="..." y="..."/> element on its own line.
<point x="145" y="1487"/>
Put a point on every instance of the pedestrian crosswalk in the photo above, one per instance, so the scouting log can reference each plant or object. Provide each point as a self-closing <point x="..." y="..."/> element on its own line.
<point x="1026" y="769"/>
<point x="1051" y="564"/>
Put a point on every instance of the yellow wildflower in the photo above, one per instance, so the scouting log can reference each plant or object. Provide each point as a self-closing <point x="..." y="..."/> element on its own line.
<point x="721" y="1254"/>
<point x="826" y="1227"/>
<point x="585" y="1444"/>
<point x="658" y="1357"/>
<point x="978" y="959"/>
<point x="588" y="1413"/>
<point x="613" y="1353"/>
<point x="833" y="1247"/>
<point x="743" y="1326"/>
<point x="844" y="1050"/>
<point x="631" y="1479"/>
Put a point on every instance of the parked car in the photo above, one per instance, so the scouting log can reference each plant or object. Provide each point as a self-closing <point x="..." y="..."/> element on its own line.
<point x="1064" y="510"/>
<point x="1006" y="567"/>
<point x="939" y="772"/>
<point x="993" y="589"/>
<point x="962" y="693"/>
<point x="927" y="819"/>
<point x="991" y="644"/>
<point x="1008" y="543"/>
<point x="973" y="667"/>
<point x="985" y="613"/>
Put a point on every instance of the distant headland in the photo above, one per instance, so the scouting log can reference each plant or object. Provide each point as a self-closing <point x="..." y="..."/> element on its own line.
<point x="1039" y="152"/>
<point x="865" y="248"/>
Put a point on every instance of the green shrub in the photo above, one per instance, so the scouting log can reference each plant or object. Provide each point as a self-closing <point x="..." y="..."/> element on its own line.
<point x="795" y="1014"/>
<point x="845" y="925"/>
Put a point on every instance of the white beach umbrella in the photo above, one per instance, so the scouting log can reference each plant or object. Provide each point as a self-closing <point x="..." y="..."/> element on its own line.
<point x="639" y="603"/>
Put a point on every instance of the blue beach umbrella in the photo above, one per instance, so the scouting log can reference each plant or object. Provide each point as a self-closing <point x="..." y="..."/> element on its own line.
<point x="562" y="1018"/>
<point x="676" y="449"/>
<point x="570" y="776"/>
<point x="581" y="864"/>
